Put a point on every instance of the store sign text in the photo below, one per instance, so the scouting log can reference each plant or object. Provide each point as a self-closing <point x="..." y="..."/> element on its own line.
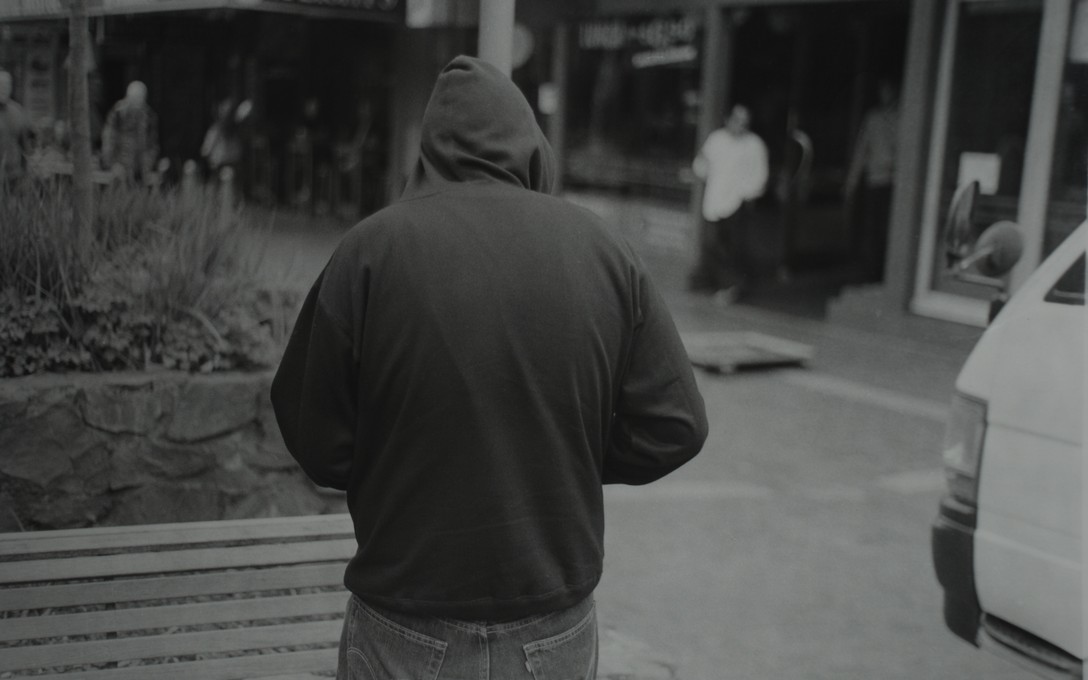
<point x="656" y="34"/>
<point x="681" y="54"/>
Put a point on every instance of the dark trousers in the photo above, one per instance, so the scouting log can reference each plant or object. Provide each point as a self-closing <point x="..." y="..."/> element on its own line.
<point x="725" y="258"/>
<point x="876" y="210"/>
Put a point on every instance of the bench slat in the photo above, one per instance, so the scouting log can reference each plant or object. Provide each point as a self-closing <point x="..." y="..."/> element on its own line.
<point x="128" y="564"/>
<point x="99" y="538"/>
<point x="166" y="616"/>
<point x="177" y="644"/>
<point x="237" y="668"/>
<point x="166" y="587"/>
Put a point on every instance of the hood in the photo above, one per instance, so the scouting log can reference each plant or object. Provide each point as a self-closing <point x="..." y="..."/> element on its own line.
<point x="478" y="126"/>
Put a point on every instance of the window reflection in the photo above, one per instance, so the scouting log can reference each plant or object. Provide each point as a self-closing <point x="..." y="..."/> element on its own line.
<point x="993" y="81"/>
<point x="639" y="79"/>
<point x="1069" y="178"/>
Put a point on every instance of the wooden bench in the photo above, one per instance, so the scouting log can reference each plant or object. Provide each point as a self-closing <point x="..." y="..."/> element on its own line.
<point x="223" y="600"/>
<point x="209" y="600"/>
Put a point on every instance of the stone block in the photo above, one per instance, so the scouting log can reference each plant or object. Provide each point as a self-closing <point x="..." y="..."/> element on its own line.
<point x="50" y="396"/>
<point x="16" y="496"/>
<point x="127" y="466"/>
<point x="11" y="412"/>
<point x="136" y="461"/>
<point x="9" y="521"/>
<point x="31" y="396"/>
<point x="214" y="405"/>
<point x="271" y="456"/>
<point x="270" y="452"/>
<point x="76" y="498"/>
<point x="231" y="474"/>
<point x="236" y="481"/>
<point x="122" y="408"/>
<point x="66" y="510"/>
<point x="92" y="469"/>
<point x="285" y="496"/>
<point x="41" y="449"/>
<point x="165" y="502"/>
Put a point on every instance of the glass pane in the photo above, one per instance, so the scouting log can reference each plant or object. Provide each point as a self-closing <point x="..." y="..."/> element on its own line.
<point x="1069" y="290"/>
<point x="1069" y="179"/>
<point x="645" y="64"/>
<point x="993" y="77"/>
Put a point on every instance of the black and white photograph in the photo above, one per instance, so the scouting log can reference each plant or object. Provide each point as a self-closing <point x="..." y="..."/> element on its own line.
<point x="543" y="339"/>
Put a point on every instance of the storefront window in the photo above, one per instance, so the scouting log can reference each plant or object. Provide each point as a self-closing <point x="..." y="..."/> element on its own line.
<point x="989" y="111"/>
<point x="1069" y="177"/>
<point x="31" y="53"/>
<point x="634" y="93"/>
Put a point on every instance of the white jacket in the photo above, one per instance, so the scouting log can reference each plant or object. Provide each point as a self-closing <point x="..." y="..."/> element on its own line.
<point x="735" y="170"/>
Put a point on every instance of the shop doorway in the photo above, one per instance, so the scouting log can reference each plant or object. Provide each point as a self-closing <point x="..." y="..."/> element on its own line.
<point x="1009" y="107"/>
<point x="809" y="73"/>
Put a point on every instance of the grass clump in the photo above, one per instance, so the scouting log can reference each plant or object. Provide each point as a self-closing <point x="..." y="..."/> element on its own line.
<point x="168" y="280"/>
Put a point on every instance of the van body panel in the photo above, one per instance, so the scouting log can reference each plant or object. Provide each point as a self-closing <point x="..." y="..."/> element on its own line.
<point x="1039" y="481"/>
<point x="1029" y="369"/>
<point x="1046" y="599"/>
<point x="1036" y="383"/>
<point x="1028" y="539"/>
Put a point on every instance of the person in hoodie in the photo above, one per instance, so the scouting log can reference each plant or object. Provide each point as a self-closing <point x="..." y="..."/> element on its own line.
<point x="474" y="362"/>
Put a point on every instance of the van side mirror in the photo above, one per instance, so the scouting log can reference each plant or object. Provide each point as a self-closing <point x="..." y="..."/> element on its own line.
<point x="959" y="226"/>
<point x="990" y="255"/>
<point x="998" y="249"/>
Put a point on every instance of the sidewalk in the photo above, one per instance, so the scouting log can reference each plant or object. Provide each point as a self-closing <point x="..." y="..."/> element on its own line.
<point x="914" y="370"/>
<point x="921" y="359"/>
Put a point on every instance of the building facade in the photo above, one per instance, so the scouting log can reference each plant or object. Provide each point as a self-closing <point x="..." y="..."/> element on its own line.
<point x="993" y="90"/>
<point x="317" y="78"/>
<point x="1002" y="99"/>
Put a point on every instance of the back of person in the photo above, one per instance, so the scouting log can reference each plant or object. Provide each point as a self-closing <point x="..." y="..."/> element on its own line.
<point x="473" y="364"/>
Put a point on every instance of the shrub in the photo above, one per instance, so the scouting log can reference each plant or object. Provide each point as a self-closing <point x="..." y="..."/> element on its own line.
<point x="167" y="282"/>
<point x="37" y="249"/>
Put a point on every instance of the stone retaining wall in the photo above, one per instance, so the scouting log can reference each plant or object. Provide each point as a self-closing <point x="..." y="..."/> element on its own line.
<point x="113" y="449"/>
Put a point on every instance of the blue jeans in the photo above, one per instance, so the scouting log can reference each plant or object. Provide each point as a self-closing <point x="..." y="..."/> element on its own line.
<point x="385" y="645"/>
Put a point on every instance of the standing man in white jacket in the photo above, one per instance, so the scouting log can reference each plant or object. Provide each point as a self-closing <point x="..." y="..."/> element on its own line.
<point x="733" y="163"/>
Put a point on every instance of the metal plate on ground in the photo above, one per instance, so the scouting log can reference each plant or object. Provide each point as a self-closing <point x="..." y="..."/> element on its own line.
<point x="730" y="352"/>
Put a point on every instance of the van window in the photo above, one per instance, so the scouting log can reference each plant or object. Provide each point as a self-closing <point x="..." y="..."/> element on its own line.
<point x="1069" y="290"/>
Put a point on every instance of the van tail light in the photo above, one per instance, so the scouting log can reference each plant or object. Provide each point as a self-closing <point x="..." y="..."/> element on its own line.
<point x="963" y="447"/>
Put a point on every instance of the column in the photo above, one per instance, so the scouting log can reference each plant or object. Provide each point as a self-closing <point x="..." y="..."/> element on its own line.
<point x="496" y="39"/>
<point x="557" y="121"/>
<point x="714" y="89"/>
<point x="909" y="186"/>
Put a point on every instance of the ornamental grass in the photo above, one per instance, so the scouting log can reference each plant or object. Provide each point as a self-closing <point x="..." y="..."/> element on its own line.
<point x="168" y="280"/>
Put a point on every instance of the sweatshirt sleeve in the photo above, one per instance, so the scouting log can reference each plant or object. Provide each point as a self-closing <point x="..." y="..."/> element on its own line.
<point x="660" y="419"/>
<point x="314" y="394"/>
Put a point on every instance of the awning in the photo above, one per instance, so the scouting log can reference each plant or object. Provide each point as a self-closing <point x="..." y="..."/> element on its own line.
<point x="378" y="10"/>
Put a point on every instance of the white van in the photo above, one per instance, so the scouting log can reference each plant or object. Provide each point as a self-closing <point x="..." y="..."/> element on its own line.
<point x="1008" y="540"/>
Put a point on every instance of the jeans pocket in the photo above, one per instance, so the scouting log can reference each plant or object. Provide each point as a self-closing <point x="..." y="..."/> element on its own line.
<point x="571" y="655"/>
<point x="377" y="648"/>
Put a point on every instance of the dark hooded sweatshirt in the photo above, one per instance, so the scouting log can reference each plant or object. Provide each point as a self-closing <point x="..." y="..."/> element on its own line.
<point x="473" y="363"/>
